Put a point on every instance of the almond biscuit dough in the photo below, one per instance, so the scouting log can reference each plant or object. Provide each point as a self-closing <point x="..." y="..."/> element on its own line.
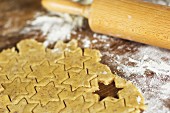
<point x="65" y="79"/>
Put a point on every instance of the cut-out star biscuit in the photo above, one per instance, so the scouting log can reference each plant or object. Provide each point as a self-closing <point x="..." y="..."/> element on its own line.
<point x="68" y="94"/>
<point x="70" y="46"/>
<point x="94" y="54"/>
<point x="30" y="46"/>
<point x="46" y="93"/>
<point x="12" y="68"/>
<point x="22" y="107"/>
<point x="70" y="60"/>
<point x="116" y="107"/>
<point x="42" y="71"/>
<point x="54" y="55"/>
<point x="83" y="81"/>
<point x="15" y="88"/>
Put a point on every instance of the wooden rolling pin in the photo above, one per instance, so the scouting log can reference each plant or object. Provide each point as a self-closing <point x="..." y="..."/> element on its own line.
<point x="134" y="20"/>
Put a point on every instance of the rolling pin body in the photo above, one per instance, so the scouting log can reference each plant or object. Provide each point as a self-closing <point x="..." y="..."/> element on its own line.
<point x="133" y="20"/>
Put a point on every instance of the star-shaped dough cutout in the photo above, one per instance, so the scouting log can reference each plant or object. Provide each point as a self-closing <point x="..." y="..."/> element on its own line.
<point x="76" y="106"/>
<point x="32" y="50"/>
<point x="15" y="88"/>
<point x="22" y="107"/>
<point x="46" y="93"/>
<point x="42" y="71"/>
<point x="103" y="71"/>
<point x="30" y="46"/>
<point x="70" y="46"/>
<point x="12" y="68"/>
<point x="51" y="107"/>
<point x="67" y="94"/>
<point x="116" y="106"/>
<point x="81" y="79"/>
<point x="94" y="54"/>
<point x="54" y="55"/>
<point x="74" y="59"/>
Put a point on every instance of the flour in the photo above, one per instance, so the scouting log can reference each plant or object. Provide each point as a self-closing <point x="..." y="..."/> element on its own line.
<point x="86" y="42"/>
<point x="138" y="99"/>
<point x="150" y="58"/>
<point x="161" y="2"/>
<point x="55" y="26"/>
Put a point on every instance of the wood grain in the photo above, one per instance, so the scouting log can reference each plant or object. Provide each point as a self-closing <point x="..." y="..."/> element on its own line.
<point x="133" y="20"/>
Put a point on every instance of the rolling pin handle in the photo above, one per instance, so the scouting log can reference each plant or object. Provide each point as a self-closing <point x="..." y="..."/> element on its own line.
<point x="66" y="6"/>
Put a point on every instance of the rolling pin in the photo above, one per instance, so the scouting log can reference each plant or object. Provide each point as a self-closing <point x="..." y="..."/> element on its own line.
<point x="133" y="20"/>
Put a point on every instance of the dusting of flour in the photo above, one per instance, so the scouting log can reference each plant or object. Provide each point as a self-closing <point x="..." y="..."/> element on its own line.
<point x="55" y="26"/>
<point x="155" y="86"/>
<point x="151" y="58"/>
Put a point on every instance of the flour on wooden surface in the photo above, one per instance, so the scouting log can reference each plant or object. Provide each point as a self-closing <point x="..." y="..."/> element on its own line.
<point x="55" y="27"/>
<point x="148" y="57"/>
<point x="155" y="88"/>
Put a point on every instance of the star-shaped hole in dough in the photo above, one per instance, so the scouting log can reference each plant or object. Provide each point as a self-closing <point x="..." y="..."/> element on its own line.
<point x="22" y="107"/>
<point x="74" y="59"/>
<point x="51" y="107"/>
<point x="81" y="79"/>
<point x="76" y="106"/>
<point x="46" y="93"/>
<point x="15" y="88"/>
<point x="108" y="91"/>
<point x="42" y="71"/>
